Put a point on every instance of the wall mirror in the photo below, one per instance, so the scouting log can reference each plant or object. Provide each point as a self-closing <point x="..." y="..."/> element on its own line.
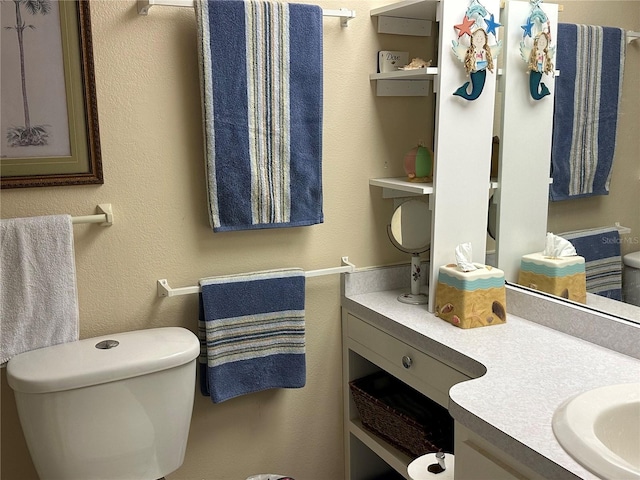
<point x="410" y="232"/>
<point x="622" y="204"/>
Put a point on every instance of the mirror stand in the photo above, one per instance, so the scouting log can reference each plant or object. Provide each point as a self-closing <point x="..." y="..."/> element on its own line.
<point x="410" y="232"/>
<point x="415" y="297"/>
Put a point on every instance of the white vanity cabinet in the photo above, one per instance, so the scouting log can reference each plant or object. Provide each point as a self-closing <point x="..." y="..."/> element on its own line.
<point x="477" y="459"/>
<point x="463" y="133"/>
<point x="367" y="349"/>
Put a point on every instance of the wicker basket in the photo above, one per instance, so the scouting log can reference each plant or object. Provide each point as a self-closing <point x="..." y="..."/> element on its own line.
<point x="408" y="420"/>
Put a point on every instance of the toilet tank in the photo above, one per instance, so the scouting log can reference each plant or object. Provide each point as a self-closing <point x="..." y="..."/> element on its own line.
<point x="631" y="278"/>
<point x="112" y="407"/>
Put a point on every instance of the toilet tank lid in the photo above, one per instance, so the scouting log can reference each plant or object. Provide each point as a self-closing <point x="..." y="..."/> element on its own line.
<point x="632" y="259"/>
<point x="80" y="364"/>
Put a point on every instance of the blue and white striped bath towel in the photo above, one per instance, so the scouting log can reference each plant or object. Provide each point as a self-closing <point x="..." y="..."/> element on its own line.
<point x="252" y="333"/>
<point x="587" y="97"/>
<point x="261" y="80"/>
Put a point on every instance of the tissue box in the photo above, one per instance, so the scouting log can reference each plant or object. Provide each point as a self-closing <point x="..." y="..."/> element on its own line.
<point x="561" y="276"/>
<point x="471" y="299"/>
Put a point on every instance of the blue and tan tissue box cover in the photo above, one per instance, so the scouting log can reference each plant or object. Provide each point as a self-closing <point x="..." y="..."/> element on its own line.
<point x="561" y="276"/>
<point x="471" y="299"/>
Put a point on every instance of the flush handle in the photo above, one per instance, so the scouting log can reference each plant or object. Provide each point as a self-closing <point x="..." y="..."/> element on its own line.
<point x="406" y="361"/>
<point x="107" y="344"/>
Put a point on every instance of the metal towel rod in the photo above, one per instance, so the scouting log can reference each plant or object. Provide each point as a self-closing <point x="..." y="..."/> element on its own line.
<point x="144" y="6"/>
<point x="164" y="290"/>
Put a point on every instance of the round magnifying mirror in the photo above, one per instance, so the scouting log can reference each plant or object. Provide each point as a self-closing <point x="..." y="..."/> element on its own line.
<point x="410" y="232"/>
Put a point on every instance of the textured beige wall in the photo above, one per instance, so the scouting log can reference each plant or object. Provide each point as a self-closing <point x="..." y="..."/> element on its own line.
<point x="151" y="133"/>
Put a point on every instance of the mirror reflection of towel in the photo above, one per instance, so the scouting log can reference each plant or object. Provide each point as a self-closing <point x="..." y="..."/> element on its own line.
<point x="587" y="98"/>
<point x="600" y="248"/>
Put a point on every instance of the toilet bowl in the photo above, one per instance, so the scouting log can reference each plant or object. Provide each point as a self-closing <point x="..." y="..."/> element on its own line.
<point x="631" y="278"/>
<point x="113" y="407"/>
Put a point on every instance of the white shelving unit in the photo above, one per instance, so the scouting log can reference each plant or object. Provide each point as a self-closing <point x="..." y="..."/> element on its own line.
<point x="463" y="134"/>
<point x="409" y="17"/>
<point x="458" y="198"/>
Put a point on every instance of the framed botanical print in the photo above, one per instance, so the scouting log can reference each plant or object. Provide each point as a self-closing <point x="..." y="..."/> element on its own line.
<point x="49" y="116"/>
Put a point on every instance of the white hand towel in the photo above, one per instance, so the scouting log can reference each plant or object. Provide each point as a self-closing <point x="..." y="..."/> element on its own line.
<point x="38" y="296"/>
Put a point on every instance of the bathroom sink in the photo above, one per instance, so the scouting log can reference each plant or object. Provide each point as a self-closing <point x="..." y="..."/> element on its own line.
<point x="600" y="429"/>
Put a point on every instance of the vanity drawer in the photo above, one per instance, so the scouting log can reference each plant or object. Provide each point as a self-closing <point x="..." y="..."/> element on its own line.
<point x="414" y="367"/>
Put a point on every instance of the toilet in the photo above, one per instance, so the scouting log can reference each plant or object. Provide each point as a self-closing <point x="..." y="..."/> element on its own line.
<point x="113" y="407"/>
<point x="631" y="278"/>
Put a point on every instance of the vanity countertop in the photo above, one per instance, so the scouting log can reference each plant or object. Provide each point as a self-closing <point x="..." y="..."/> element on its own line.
<point x="523" y="372"/>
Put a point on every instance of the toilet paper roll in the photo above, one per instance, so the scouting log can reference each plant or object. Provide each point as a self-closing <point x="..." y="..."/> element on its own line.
<point x="418" y="469"/>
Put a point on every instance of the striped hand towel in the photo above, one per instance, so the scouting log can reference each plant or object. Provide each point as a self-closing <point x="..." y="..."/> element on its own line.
<point x="252" y="333"/>
<point x="261" y="83"/>
<point x="587" y="98"/>
<point x="600" y="248"/>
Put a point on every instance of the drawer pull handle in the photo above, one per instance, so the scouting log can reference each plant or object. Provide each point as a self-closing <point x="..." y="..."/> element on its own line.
<point x="406" y="361"/>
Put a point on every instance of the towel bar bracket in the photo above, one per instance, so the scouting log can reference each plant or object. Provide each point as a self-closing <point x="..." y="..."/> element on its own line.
<point x="104" y="216"/>
<point x="164" y="290"/>
<point x="107" y="211"/>
<point x="622" y="230"/>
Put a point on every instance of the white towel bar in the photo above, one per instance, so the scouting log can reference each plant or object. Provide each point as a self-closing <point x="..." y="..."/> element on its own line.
<point x="164" y="290"/>
<point x="622" y="230"/>
<point x="144" y="6"/>
<point x="632" y="36"/>
<point x="104" y="218"/>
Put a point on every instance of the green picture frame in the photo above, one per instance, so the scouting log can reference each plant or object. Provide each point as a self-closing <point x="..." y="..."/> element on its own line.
<point x="81" y="163"/>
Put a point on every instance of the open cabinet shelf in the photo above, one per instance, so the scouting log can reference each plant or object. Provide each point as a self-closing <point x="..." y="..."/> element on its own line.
<point x="395" y="458"/>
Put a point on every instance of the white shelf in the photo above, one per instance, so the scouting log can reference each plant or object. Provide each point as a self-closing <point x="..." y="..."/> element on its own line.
<point x="395" y="458"/>
<point x="418" y="9"/>
<point x="400" y="187"/>
<point x="428" y="73"/>
<point x="404" y="83"/>
<point x="397" y="187"/>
